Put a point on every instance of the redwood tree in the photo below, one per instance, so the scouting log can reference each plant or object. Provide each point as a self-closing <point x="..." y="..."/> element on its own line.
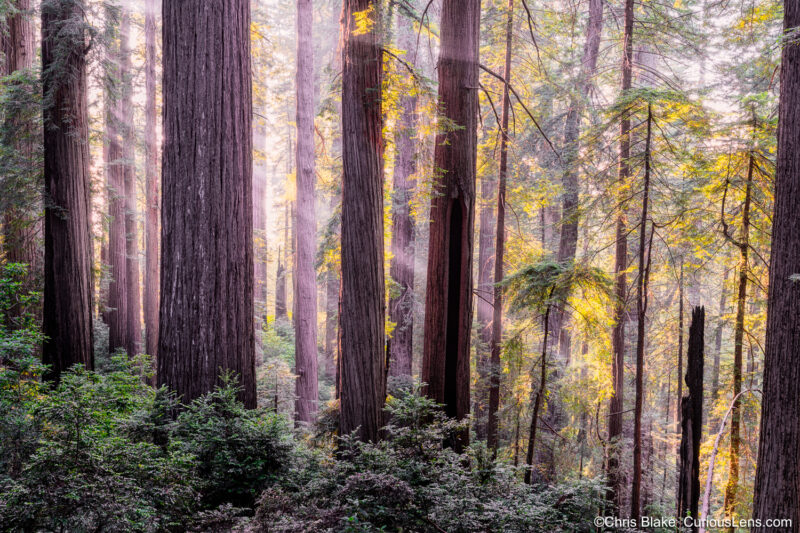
<point x="68" y="249"/>
<point x="362" y="313"/>
<point x="305" y="297"/>
<point x="206" y="308"/>
<point x="151" y="185"/>
<point x="448" y="302"/>
<point x="778" y="472"/>
<point x="401" y="305"/>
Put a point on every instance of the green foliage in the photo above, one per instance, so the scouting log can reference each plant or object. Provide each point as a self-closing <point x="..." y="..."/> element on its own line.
<point x="239" y="451"/>
<point x="410" y="482"/>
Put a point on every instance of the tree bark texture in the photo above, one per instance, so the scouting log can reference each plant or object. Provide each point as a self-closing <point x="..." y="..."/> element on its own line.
<point x="616" y="404"/>
<point x="306" y="224"/>
<point x="362" y="314"/>
<point x="151" y="272"/>
<point x="401" y="305"/>
<point x="133" y="344"/>
<point x="68" y="248"/>
<point x="448" y="302"/>
<point x="206" y="308"/>
<point x="778" y="472"/>
<point x="496" y="340"/>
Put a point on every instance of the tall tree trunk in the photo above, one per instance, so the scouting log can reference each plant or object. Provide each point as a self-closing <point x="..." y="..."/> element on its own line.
<point x="616" y="404"/>
<point x="280" y="277"/>
<point x="448" y="302"/>
<point x="22" y="225"/>
<point x="778" y="472"/>
<point x="484" y="302"/>
<point x="680" y="344"/>
<point x="68" y="248"/>
<point x="645" y="249"/>
<point x="362" y="314"/>
<point x="117" y="314"/>
<point x="206" y="309"/>
<point x="692" y="420"/>
<point x="133" y="343"/>
<point x="743" y="244"/>
<point x="497" y="311"/>
<point x="151" y="185"/>
<point x="570" y="214"/>
<point x="306" y="224"/>
<point x="401" y="305"/>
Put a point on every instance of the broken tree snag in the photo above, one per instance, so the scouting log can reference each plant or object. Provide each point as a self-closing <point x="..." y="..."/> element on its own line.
<point x="692" y="419"/>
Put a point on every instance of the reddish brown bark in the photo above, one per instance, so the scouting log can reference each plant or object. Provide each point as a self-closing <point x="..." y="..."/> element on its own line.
<point x="362" y="350"/>
<point x="68" y="250"/>
<point x="117" y="313"/>
<point x="331" y="320"/>
<point x="151" y="185"/>
<point x="401" y="305"/>
<point x="616" y="404"/>
<point x="22" y="225"/>
<point x="448" y="302"/>
<point x="500" y="238"/>
<point x="133" y="342"/>
<point x="206" y="308"/>
<point x="305" y="318"/>
<point x="777" y="483"/>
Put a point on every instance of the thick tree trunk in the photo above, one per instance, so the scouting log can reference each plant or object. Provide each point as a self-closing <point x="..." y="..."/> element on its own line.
<point x="692" y="420"/>
<point x="401" y="305"/>
<point x="22" y="225"/>
<point x="497" y="310"/>
<point x="362" y="316"/>
<point x="133" y="343"/>
<point x="206" y="310"/>
<point x="732" y="487"/>
<point x="306" y="223"/>
<point x="645" y="249"/>
<point x="448" y="302"/>
<point x="68" y="248"/>
<point x="151" y="185"/>
<point x="778" y="473"/>
<point x="616" y="405"/>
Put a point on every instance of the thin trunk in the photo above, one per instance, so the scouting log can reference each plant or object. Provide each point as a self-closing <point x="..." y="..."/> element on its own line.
<point x="68" y="248"/>
<point x="777" y="483"/>
<point x="331" y="320"/>
<point x="133" y="342"/>
<point x="362" y="315"/>
<point x="497" y="315"/>
<point x="680" y="344"/>
<point x="641" y="313"/>
<point x="537" y="402"/>
<point x="401" y="306"/>
<point x="616" y="404"/>
<point x="151" y="185"/>
<point x="448" y="302"/>
<point x="723" y="293"/>
<point x="306" y="224"/>
<point x="732" y="487"/>
<point x="207" y="210"/>
<point x="280" y="277"/>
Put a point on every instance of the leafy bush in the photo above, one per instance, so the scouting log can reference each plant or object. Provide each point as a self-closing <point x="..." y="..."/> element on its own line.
<point x="239" y="451"/>
<point x="410" y="482"/>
